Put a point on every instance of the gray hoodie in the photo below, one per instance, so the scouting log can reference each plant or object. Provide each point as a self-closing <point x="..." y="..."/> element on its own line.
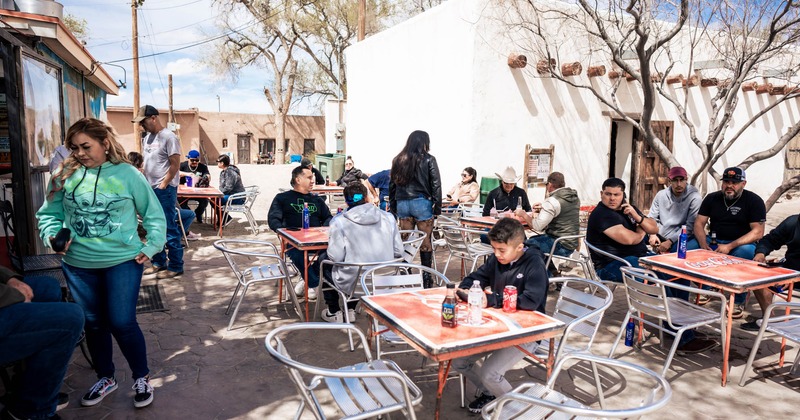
<point x="672" y="212"/>
<point x="362" y="234"/>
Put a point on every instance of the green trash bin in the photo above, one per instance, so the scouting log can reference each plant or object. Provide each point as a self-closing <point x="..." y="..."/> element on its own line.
<point x="330" y="165"/>
<point x="487" y="185"/>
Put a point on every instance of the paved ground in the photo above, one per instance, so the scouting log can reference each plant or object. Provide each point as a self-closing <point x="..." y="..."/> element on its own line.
<point x="203" y="371"/>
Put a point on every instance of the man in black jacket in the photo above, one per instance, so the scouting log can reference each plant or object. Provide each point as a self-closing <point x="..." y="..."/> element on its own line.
<point x="787" y="233"/>
<point x="512" y="264"/>
<point x="508" y="196"/>
<point x="286" y="211"/>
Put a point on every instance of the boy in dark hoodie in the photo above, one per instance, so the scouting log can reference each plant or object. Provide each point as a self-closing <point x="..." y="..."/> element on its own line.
<point x="513" y="264"/>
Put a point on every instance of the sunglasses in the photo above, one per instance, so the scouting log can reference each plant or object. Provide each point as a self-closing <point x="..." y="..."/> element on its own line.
<point x="194" y="160"/>
<point x="464" y="175"/>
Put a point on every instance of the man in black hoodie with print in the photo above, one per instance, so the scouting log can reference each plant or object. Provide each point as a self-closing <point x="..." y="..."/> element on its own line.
<point x="513" y="264"/>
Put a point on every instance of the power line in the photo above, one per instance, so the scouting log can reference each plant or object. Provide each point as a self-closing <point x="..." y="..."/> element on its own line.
<point x="170" y="7"/>
<point x="126" y="38"/>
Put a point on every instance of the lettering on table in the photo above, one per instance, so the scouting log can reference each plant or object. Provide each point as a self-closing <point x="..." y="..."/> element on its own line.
<point x="713" y="262"/>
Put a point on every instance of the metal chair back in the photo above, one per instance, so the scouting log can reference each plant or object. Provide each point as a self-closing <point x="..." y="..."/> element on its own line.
<point x="783" y="319"/>
<point x="243" y="203"/>
<point x="537" y="401"/>
<point x="581" y="305"/>
<point x="412" y="240"/>
<point x="364" y="390"/>
<point x="460" y="245"/>
<point x="254" y="262"/>
<point x="470" y="209"/>
<point x="581" y="260"/>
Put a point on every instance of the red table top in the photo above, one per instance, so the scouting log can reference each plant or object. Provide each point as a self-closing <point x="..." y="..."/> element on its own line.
<point x="185" y="191"/>
<point x="719" y="269"/>
<point x="483" y="221"/>
<point x="327" y="189"/>
<point x="417" y="316"/>
<point x="303" y="238"/>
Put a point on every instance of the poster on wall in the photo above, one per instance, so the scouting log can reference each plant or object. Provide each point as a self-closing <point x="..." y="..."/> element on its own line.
<point x="43" y="113"/>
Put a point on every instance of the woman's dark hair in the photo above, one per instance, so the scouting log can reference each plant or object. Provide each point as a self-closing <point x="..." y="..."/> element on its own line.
<point x="225" y="159"/>
<point x="355" y="194"/>
<point x="472" y="172"/>
<point x="136" y="158"/>
<point x="405" y="164"/>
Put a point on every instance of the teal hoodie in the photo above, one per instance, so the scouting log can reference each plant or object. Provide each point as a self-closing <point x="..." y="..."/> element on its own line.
<point x="100" y="206"/>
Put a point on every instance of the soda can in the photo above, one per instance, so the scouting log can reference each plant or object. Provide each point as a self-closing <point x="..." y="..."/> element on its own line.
<point x="188" y="181"/>
<point x="510" y="299"/>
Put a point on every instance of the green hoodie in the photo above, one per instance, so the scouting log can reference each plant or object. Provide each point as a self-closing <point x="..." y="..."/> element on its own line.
<point x="100" y="206"/>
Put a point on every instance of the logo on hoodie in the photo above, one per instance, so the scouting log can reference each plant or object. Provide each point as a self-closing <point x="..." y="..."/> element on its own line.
<point x="298" y="207"/>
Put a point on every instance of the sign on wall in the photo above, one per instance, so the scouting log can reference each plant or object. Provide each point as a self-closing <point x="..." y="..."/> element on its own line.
<point x="538" y="165"/>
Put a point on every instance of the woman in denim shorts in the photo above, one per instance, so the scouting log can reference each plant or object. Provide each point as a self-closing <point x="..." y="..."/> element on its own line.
<point x="415" y="192"/>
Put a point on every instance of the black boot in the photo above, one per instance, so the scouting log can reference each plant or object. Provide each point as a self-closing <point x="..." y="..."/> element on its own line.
<point x="426" y="258"/>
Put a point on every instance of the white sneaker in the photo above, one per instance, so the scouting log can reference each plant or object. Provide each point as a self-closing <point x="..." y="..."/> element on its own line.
<point x="351" y="313"/>
<point x="329" y="317"/>
<point x="300" y="288"/>
<point x="312" y="293"/>
<point x="193" y="236"/>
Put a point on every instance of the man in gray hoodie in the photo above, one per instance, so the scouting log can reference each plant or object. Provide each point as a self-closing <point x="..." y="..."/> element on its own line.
<point x="361" y="234"/>
<point x="557" y="216"/>
<point x="673" y="208"/>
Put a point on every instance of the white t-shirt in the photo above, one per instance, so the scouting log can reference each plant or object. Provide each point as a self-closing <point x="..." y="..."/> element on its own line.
<point x="156" y="149"/>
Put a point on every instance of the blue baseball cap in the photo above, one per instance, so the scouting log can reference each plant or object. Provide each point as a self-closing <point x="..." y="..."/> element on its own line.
<point x="193" y="154"/>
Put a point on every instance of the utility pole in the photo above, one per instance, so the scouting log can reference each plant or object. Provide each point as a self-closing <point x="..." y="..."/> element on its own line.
<point x="135" y="51"/>
<point x="362" y="19"/>
<point x="171" y="114"/>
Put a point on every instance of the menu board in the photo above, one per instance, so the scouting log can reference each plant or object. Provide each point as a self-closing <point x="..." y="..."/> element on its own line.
<point x="538" y="164"/>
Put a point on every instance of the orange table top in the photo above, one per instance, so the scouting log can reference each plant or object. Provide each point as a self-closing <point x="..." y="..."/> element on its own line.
<point x="416" y="316"/>
<point x="184" y="191"/>
<point x="327" y="189"/>
<point x="304" y="238"/>
<point x="719" y="269"/>
<point x="483" y="221"/>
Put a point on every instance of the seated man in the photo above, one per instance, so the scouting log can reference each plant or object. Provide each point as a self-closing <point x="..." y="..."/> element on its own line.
<point x="230" y="183"/>
<point x="787" y="233"/>
<point x="286" y="211"/>
<point x="512" y="264"/>
<point x="508" y="196"/>
<point x="193" y="167"/>
<point x="673" y="208"/>
<point x="35" y="326"/>
<point x="361" y="234"/>
<point x="318" y="179"/>
<point x="557" y="216"/>
<point x="618" y="228"/>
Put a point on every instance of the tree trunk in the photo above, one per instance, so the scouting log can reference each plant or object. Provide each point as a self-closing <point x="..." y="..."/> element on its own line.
<point x="280" y="134"/>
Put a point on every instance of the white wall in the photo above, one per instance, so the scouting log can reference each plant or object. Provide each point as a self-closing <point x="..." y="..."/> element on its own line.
<point x="445" y="71"/>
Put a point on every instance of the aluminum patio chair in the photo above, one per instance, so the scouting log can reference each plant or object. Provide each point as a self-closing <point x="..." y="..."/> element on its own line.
<point x="581" y="260"/>
<point x="437" y="236"/>
<point x="369" y="389"/>
<point x="649" y="303"/>
<point x="780" y="323"/>
<point x="470" y="209"/>
<point x="581" y="305"/>
<point x="243" y="203"/>
<point x="412" y="240"/>
<point x="256" y="262"/>
<point x="460" y="244"/>
<point x="537" y="401"/>
<point x="589" y="269"/>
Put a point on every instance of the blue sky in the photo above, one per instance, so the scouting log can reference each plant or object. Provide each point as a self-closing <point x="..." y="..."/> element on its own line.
<point x="166" y="25"/>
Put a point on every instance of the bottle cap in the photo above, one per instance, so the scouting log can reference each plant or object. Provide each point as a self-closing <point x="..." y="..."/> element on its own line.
<point x="451" y="285"/>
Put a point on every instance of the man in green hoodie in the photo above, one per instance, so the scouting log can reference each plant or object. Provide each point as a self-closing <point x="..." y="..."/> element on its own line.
<point x="557" y="216"/>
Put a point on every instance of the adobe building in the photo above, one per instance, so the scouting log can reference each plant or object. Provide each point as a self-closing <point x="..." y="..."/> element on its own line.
<point x="244" y="137"/>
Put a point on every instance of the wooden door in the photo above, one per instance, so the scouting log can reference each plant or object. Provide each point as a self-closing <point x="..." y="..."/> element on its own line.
<point x="243" y="148"/>
<point x="649" y="172"/>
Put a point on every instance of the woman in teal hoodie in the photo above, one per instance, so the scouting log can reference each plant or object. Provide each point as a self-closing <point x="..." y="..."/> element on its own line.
<point x="98" y="195"/>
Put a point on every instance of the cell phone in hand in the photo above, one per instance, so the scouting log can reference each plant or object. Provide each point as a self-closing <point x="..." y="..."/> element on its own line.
<point x="464" y="296"/>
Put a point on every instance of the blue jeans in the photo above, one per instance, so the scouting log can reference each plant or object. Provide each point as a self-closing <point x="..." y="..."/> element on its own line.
<point x="296" y="256"/>
<point x="545" y="244"/>
<point x="43" y="333"/>
<point x="108" y="297"/>
<point x="420" y="209"/>
<point x="174" y="248"/>
<point x="187" y="217"/>
<point x="227" y="197"/>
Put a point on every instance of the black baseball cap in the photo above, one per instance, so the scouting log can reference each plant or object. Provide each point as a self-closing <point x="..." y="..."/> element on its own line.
<point x="734" y="174"/>
<point x="144" y="112"/>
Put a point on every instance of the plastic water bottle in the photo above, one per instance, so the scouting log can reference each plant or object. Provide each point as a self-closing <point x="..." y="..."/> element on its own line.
<point x="306" y="216"/>
<point x="714" y="244"/>
<point x="682" y="243"/>
<point x="630" y="328"/>
<point x="475" y="300"/>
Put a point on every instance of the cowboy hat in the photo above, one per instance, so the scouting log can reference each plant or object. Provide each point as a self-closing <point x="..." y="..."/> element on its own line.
<point x="509" y="175"/>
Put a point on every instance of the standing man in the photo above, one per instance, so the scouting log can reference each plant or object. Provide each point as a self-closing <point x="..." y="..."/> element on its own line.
<point x="193" y="167"/>
<point x="318" y="179"/>
<point x="557" y="216"/>
<point x="162" y="159"/>
<point x="286" y="211"/>
<point x="379" y="187"/>
<point x="737" y="216"/>
<point x="507" y="195"/>
<point x="673" y="208"/>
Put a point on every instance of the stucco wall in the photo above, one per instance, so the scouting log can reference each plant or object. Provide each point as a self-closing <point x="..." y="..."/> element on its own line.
<point x="189" y="134"/>
<point x="445" y="71"/>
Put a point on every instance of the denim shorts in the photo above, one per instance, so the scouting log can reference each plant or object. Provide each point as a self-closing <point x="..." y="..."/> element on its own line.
<point x="418" y="208"/>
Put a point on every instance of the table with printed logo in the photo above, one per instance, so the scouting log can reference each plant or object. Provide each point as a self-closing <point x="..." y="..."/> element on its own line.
<point x="213" y="195"/>
<point x="728" y="273"/>
<point x="483" y="222"/>
<point x="311" y="239"/>
<point x="416" y="318"/>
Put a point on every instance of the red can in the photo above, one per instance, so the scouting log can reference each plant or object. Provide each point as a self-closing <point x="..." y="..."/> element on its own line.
<point x="510" y="299"/>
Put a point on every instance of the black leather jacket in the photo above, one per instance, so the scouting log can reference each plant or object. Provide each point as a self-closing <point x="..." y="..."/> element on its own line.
<point x="426" y="183"/>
